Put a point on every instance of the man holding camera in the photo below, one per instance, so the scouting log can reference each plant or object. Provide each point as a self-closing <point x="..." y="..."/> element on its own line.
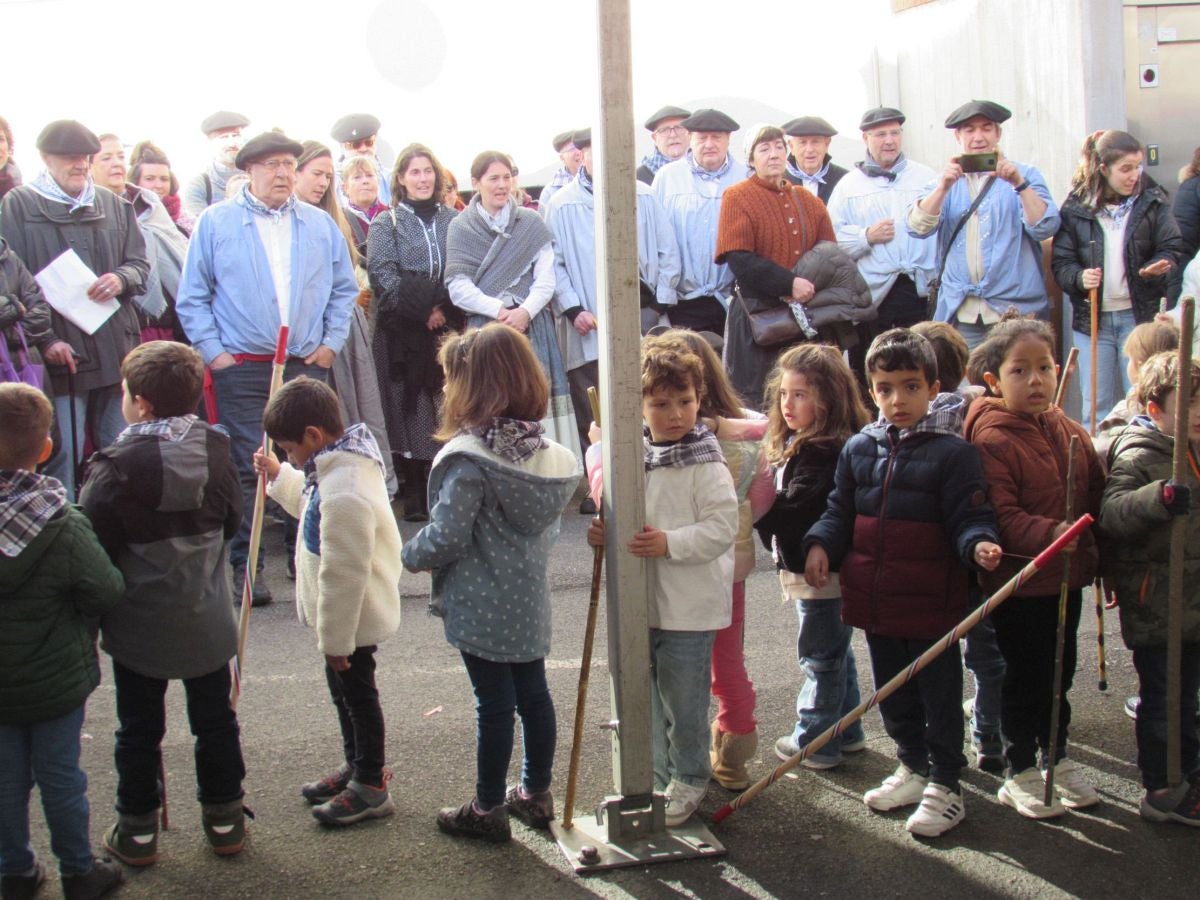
<point x="990" y="215"/>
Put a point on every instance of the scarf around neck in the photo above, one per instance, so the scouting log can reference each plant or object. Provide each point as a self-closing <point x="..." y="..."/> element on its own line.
<point x="357" y="439"/>
<point x="259" y="208"/>
<point x="1116" y="212"/>
<point x="494" y="261"/>
<point x="28" y="502"/>
<point x="172" y="428"/>
<point x="796" y="172"/>
<point x="47" y="187"/>
<point x="872" y="169"/>
<point x="698" y="446"/>
<point x="706" y="175"/>
<point x="654" y="161"/>
<point x="514" y="439"/>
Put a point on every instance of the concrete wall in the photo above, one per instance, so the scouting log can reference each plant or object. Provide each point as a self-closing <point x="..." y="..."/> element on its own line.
<point x="1057" y="64"/>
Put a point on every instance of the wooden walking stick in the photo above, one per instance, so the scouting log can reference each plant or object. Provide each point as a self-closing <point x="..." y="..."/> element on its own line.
<point x="585" y="663"/>
<point x="256" y="525"/>
<point x="1067" y="370"/>
<point x="1179" y="463"/>
<point x="902" y="678"/>
<point x="1060" y="636"/>
<point x="1094" y="309"/>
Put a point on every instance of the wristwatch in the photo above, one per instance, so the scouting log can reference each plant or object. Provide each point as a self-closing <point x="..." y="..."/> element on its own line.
<point x="1020" y="187"/>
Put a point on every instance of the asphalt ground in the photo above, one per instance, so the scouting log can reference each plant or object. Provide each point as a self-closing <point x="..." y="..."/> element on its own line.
<point x="807" y="835"/>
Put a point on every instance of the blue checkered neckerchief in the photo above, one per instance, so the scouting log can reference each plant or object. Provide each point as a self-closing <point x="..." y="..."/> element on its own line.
<point x="259" y="208"/>
<point x="706" y="175"/>
<point x="698" y="446"/>
<point x="805" y="178"/>
<point x="1116" y="212"/>
<point x="654" y="161"/>
<point x="561" y="178"/>
<point x="47" y="187"/>
<point x="585" y="180"/>
<point x="172" y="428"/>
<point x="515" y="439"/>
<point x="357" y="439"/>
<point x="27" y="502"/>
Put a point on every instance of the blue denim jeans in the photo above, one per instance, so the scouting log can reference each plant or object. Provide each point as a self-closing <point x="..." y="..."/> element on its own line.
<point x="680" y="681"/>
<point x="242" y="390"/>
<point x="830" y="688"/>
<point x="1112" y="373"/>
<point x="500" y="690"/>
<point x="46" y="754"/>
<point x="986" y="662"/>
<point x="97" y="413"/>
<point x="1151" y="728"/>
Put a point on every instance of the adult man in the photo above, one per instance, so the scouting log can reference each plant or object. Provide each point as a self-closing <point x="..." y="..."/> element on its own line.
<point x="866" y="206"/>
<point x="690" y="190"/>
<point x="358" y="133"/>
<point x="64" y="209"/>
<point x="571" y="220"/>
<point x="224" y="132"/>
<point x="996" y="259"/>
<point x="809" y="163"/>
<point x="254" y="262"/>
<point x="670" y="141"/>
<point x="570" y="158"/>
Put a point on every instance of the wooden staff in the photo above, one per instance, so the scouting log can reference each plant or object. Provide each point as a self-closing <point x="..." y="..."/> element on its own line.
<point x="1067" y="370"/>
<point x="256" y="525"/>
<point x="1094" y="309"/>
<point x="585" y="663"/>
<point x="1060" y="636"/>
<point x="1101" y="653"/>
<point x="902" y="678"/>
<point x="1179" y="462"/>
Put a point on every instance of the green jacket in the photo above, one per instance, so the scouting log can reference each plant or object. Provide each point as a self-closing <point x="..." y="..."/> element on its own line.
<point x="1135" y="533"/>
<point x="51" y="597"/>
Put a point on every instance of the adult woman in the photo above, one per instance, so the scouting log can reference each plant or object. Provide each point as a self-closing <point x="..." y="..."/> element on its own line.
<point x="361" y="185"/>
<point x="314" y="176"/>
<point x="10" y="175"/>
<point x="1187" y="207"/>
<point x="406" y="253"/>
<point x="1117" y="237"/>
<point x="150" y="169"/>
<point x="451" y="198"/>
<point x="765" y="227"/>
<point x="500" y="266"/>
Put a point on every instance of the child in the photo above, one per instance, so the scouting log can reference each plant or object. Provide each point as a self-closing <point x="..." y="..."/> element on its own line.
<point x="55" y="580"/>
<point x="164" y="499"/>
<point x="739" y="431"/>
<point x="1143" y="342"/>
<point x="1139" y="506"/>
<point x="347" y="578"/>
<point x="907" y="517"/>
<point x="1024" y="441"/>
<point x="691" y="522"/>
<point x="815" y="407"/>
<point x="497" y="491"/>
<point x="982" y="657"/>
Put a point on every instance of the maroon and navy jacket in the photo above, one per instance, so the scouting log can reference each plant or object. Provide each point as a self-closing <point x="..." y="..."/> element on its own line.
<point x="902" y="522"/>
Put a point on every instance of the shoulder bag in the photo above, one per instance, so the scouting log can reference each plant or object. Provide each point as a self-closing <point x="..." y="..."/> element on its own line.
<point x="935" y="284"/>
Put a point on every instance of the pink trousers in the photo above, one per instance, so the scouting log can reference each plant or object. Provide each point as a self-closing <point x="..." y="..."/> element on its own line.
<point x="731" y="684"/>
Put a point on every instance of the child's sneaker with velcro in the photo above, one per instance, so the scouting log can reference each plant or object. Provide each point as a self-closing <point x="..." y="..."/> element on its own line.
<point x="940" y="810"/>
<point x="534" y="809"/>
<point x="225" y="826"/>
<point x="356" y="802"/>
<point x="325" y="789"/>
<point x="1072" y="789"/>
<point x="1181" y="804"/>
<point x="469" y="820"/>
<point x="1025" y="792"/>
<point x="134" y="839"/>
<point x="904" y="787"/>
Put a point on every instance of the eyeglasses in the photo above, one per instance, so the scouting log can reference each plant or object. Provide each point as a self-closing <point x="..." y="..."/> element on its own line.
<point x="364" y="144"/>
<point x="671" y="130"/>
<point x="288" y="165"/>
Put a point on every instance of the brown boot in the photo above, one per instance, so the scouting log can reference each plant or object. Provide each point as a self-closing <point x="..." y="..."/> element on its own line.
<point x="729" y="755"/>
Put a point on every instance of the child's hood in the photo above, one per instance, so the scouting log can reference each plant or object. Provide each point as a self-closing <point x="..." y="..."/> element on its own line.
<point x="990" y="412"/>
<point x="945" y="416"/>
<point x="164" y="463"/>
<point x="34" y="511"/>
<point x="1138" y="438"/>
<point x="531" y="495"/>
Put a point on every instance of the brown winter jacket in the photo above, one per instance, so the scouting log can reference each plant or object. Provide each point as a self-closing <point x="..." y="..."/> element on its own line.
<point x="1025" y="464"/>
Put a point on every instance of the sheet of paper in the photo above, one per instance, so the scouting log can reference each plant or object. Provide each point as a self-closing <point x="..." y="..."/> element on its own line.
<point x="65" y="282"/>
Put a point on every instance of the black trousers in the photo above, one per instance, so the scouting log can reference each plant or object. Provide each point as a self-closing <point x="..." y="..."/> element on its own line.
<point x="359" y="715"/>
<point x="903" y="307"/>
<point x="925" y="716"/>
<point x="143" y="723"/>
<point x="1026" y="629"/>
<point x="580" y="379"/>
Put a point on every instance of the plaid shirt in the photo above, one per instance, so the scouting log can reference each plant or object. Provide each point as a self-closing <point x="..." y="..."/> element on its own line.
<point x="27" y="502"/>
<point x="357" y="439"/>
<point x="698" y="446"/>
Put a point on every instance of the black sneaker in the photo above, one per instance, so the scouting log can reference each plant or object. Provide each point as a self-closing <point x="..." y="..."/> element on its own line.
<point x="357" y="802"/>
<point x="261" y="595"/>
<point x="467" y="821"/>
<point x="98" y="881"/>
<point x="535" y="810"/>
<point x="22" y="887"/>
<point x="327" y="788"/>
<point x="1181" y="804"/>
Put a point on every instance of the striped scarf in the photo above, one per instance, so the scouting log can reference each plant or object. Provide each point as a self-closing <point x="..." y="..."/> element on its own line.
<point x="45" y="186"/>
<point x="172" y="428"/>
<point x="698" y="446"/>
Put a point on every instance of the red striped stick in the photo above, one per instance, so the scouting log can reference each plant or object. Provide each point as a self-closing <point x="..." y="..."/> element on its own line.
<point x="256" y="524"/>
<point x="957" y="633"/>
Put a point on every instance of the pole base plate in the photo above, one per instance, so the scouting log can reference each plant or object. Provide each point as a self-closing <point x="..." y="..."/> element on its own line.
<point x="587" y="848"/>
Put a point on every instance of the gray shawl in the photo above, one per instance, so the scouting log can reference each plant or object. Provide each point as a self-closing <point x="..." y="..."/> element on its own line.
<point x="494" y="261"/>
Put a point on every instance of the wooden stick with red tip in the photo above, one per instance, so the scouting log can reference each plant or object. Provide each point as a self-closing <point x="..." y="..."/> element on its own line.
<point x="957" y="633"/>
<point x="256" y="525"/>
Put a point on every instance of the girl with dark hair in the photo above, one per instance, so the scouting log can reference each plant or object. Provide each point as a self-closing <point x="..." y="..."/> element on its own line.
<point x="150" y="169"/>
<point x="1118" y="238"/>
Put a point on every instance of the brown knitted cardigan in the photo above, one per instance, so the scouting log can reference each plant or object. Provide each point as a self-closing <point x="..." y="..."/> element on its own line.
<point x="762" y="218"/>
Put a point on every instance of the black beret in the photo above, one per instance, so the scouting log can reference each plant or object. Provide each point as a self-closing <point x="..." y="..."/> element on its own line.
<point x="222" y="119"/>
<point x="582" y="138"/>
<point x="561" y="140"/>
<point x="807" y="125"/>
<point x="709" y="120"/>
<point x="667" y="112"/>
<point x="354" y="127"/>
<point x="986" y="108"/>
<point x="66" y="137"/>
<point x="879" y="115"/>
<point x="264" y="145"/>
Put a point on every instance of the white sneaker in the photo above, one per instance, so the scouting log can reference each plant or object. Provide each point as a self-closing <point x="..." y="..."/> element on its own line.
<point x="940" y="810"/>
<point x="682" y="801"/>
<point x="1071" y="787"/>
<point x="904" y="787"/>
<point x="1025" y="792"/>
